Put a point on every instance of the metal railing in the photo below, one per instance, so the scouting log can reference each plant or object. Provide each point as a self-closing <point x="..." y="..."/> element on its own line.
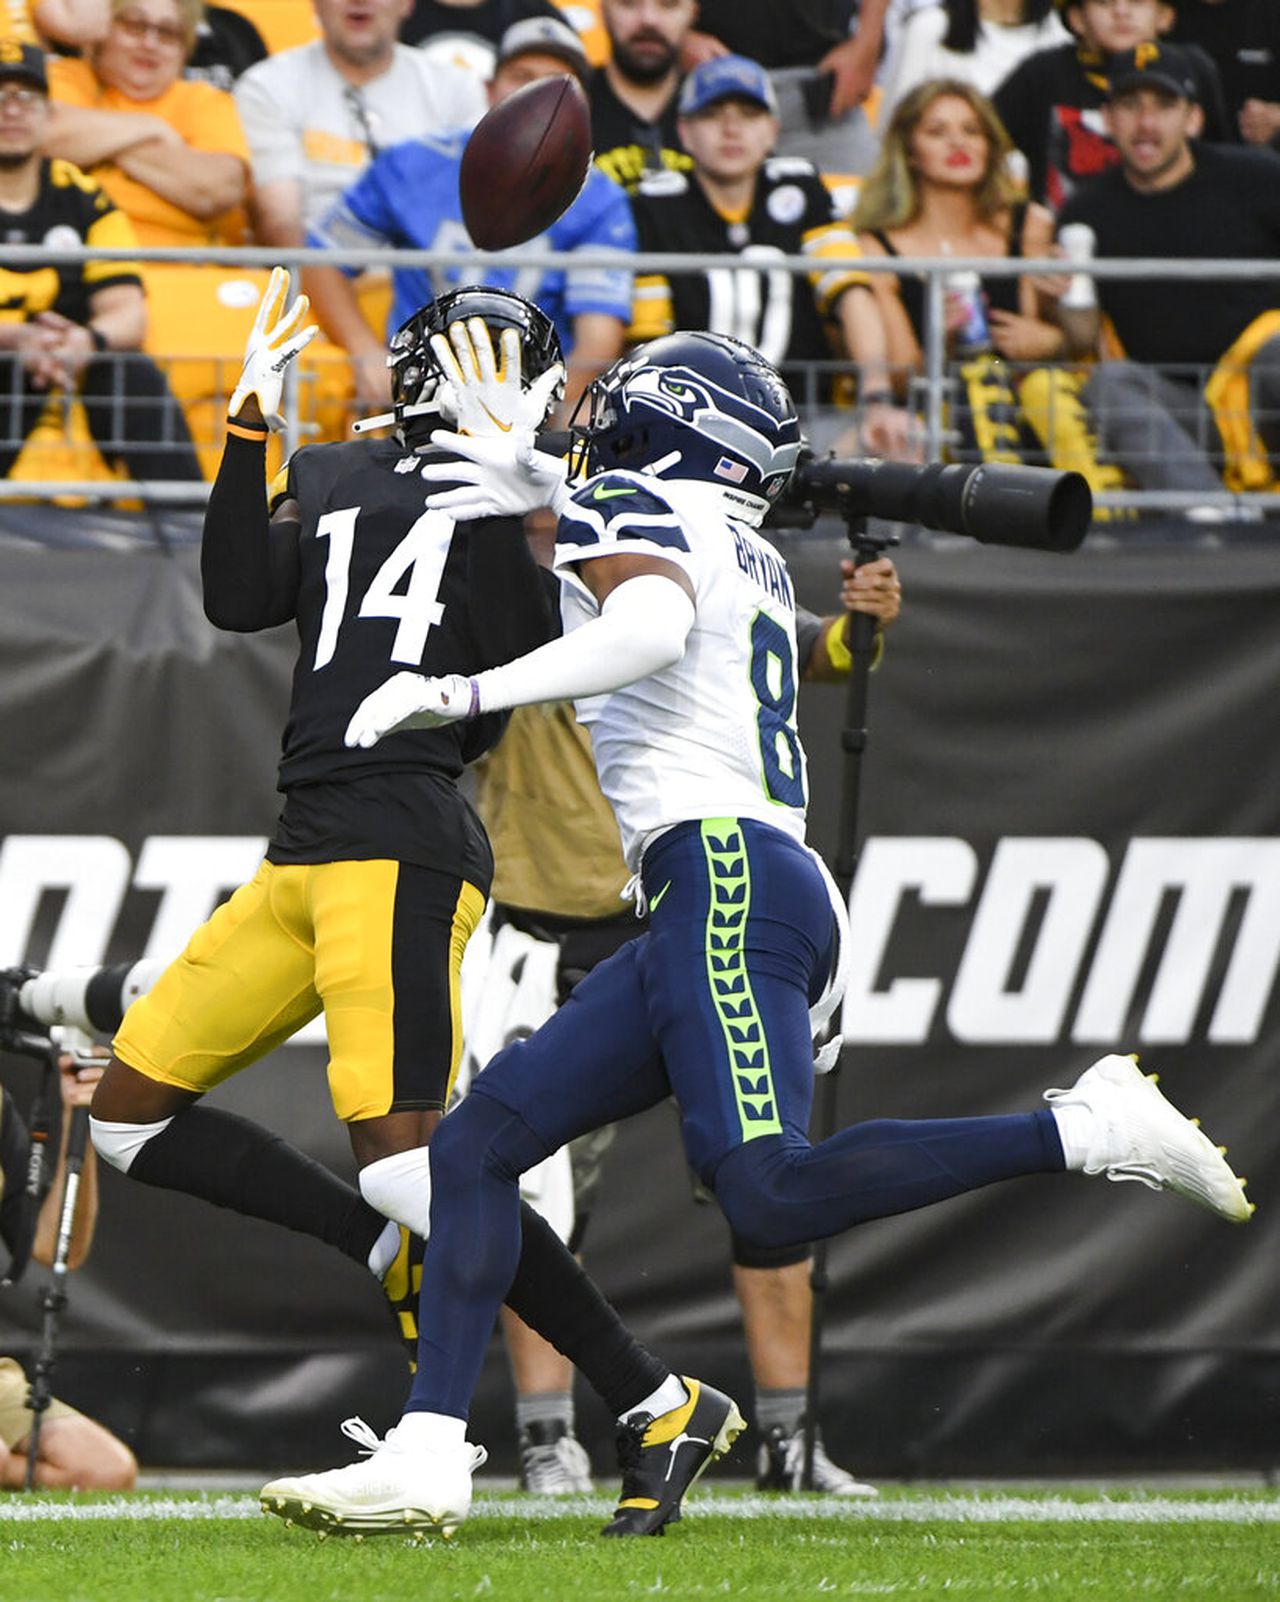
<point x="934" y="387"/>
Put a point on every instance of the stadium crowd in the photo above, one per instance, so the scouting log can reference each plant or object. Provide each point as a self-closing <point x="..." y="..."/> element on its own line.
<point x="914" y="128"/>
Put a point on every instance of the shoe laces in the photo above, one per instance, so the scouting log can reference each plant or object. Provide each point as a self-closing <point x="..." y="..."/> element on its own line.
<point x="630" y="1443"/>
<point x="365" y="1437"/>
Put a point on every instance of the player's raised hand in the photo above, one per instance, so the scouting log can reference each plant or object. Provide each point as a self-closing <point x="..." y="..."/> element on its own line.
<point x="274" y="340"/>
<point x="410" y="701"/>
<point x="486" y="395"/>
<point x="503" y="476"/>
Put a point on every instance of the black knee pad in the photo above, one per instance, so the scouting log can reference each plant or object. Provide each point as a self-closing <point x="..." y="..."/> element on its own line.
<point x="751" y="1254"/>
<point x="746" y="1187"/>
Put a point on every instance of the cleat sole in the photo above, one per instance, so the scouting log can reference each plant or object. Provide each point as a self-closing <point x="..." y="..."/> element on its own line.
<point x="413" y="1522"/>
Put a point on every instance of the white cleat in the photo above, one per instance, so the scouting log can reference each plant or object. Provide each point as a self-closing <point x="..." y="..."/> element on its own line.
<point x="394" y="1490"/>
<point x="1138" y="1134"/>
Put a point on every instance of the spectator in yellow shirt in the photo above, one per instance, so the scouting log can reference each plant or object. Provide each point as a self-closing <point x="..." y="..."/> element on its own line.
<point x="171" y="153"/>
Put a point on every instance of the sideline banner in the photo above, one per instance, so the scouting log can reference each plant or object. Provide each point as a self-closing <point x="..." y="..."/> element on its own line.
<point x="1070" y="806"/>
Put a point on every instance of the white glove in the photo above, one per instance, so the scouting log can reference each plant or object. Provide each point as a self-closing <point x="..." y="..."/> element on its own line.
<point x="503" y="476"/>
<point x="487" y="398"/>
<point x="273" y="343"/>
<point x="410" y="701"/>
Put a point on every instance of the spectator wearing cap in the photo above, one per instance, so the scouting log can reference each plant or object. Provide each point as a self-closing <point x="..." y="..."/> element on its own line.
<point x="822" y="60"/>
<point x="633" y="96"/>
<point x="408" y="199"/>
<point x="171" y="154"/>
<point x="1173" y="197"/>
<point x="73" y="327"/>
<point x="1243" y="37"/>
<point x="738" y="200"/>
<point x="1052" y="103"/>
<point x="317" y="115"/>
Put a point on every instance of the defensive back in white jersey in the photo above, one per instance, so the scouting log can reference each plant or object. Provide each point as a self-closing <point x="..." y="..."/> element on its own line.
<point x="714" y="735"/>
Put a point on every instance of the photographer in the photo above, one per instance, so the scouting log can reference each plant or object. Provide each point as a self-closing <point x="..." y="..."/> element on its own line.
<point x="74" y="1450"/>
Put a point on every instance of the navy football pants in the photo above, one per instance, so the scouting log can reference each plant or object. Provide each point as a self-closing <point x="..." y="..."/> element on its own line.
<point x="710" y="1006"/>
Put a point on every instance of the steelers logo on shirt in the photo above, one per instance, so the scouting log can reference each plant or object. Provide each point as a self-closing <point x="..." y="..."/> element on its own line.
<point x="62" y="236"/>
<point x="786" y="203"/>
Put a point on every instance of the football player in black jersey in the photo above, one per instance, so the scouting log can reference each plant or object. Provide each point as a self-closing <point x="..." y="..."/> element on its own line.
<point x="378" y="869"/>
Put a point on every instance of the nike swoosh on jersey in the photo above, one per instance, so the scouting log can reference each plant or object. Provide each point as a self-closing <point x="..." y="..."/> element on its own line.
<point x="653" y="905"/>
<point x="600" y="493"/>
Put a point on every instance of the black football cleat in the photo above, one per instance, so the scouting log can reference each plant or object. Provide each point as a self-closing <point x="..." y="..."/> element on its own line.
<point x="661" y="1457"/>
<point x="401" y="1285"/>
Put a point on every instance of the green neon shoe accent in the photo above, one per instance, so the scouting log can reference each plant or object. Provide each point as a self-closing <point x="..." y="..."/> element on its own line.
<point x="728" y="907"/>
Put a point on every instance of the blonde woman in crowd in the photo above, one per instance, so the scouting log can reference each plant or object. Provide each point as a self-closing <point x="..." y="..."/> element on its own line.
<point x="940" y="188"/>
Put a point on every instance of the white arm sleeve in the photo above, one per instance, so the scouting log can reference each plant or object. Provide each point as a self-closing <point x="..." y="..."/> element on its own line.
<point x="642" y="628"/>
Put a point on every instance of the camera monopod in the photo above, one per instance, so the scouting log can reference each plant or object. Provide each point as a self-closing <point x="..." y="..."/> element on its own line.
<point x="54" y="1298"/>
<point x="994" y="503"/>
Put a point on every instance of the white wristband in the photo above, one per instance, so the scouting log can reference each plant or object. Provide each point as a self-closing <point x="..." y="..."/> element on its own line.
<point x="642" y="628"/>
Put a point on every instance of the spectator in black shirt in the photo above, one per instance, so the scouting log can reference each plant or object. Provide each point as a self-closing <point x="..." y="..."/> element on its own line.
<point x="1170" y="198"/>
<point x="1052" y="103"/>
<point x="633" y="96"/>
<point x="1243" y="37"/>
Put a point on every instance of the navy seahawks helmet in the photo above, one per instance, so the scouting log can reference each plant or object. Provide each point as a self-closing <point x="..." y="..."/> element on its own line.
<point x="415" y="373"/>
<point x="696" y="406"/>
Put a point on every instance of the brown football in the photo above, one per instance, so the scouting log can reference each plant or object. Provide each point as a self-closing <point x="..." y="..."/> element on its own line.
<point x="525" y="162"/>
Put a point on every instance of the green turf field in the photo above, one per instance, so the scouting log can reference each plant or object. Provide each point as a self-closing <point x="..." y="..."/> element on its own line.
<point x="912" y="1543"/>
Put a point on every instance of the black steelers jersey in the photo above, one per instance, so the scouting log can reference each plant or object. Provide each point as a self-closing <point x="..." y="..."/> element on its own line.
<point x="626" y="147"/>
<point x="385" y="585"/>
<point x="69" y="209"/>
<point x="792" y="214"/>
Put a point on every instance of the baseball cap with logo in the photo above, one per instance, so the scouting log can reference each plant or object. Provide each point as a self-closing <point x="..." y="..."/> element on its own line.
<point x="726" y="78"/>
<point x="543" y="36"/>
<point x="1153" y="66"/>
<point x="22" y="63"/>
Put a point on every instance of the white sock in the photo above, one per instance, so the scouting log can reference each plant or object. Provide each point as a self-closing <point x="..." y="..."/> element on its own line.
<point x="669" y="1395"/>
<point x="399" y="1187"/>
<point x="431" y="1432"/>
<point x="384" y="1250"/>
<point x="1077" y="1130"/>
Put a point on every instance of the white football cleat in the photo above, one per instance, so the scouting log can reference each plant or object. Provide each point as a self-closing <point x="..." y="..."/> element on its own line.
<point x="397" y="1489"/>
<point x="1136" y="1134"/>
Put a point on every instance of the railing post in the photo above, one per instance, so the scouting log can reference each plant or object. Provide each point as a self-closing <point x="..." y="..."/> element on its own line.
<point x="292" y="415"/>
<point x="935" y="349"/>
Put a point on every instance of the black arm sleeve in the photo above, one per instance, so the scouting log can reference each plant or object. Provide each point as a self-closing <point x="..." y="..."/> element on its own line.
<point x="249" y="565"/>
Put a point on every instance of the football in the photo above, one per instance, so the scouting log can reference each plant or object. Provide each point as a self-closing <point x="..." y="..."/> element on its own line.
<point x="525" y="162"/>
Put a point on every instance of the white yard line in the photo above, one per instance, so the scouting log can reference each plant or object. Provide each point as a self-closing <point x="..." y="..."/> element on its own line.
<point x="908" y="1509"/>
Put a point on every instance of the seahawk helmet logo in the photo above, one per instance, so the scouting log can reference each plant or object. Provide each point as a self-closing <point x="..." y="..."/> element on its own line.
<point x="704" y="405"/>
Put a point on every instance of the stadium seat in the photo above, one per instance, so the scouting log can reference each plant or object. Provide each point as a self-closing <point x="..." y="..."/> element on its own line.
<point x="584" y="17"/>
<point x="199" y="318"/>
<point x="282" y="23"/>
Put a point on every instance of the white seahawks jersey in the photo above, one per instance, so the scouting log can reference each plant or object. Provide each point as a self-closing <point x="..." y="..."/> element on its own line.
<point x="714" y="735"/>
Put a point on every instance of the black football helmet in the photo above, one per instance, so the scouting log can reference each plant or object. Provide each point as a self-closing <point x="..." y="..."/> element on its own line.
<point x="415" y="373"/>
<point x="696" y="406"/>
